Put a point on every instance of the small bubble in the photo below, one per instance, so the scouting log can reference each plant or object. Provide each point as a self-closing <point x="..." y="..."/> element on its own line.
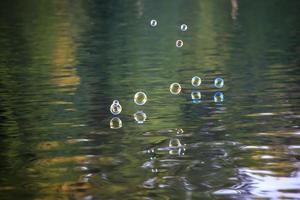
<point x="196" y="96"/>
<point x="174" y="143"/>
<point x="179" y="131"/>
<point x="153" y="23"/>
<point x="196" y="81"/>
<point x="140" y="98"/>
<point x="219" y="82"/>
<point x="140" y="117"/>
<point x="183" y="27"/>
<point x="154" y="170"/>
<point x="115" y="123"/>
<point x="218" y="97"/>
<point x="115" y="107"/>
<point x="175" y="88"/>
<point x="150" y="151"/>
<point x="179" y="43"/>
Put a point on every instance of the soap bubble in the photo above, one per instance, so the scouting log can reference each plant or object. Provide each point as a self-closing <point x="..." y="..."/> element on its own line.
<point x="175" y="88"/>
<point x="174" y="143"/>
<point x="140" y="98"/>
<point x="219" y="82"/>
<point x="196" y="96"/>
<point x="153" y="23"/>
<point x="196" y="81"/>
<point x="179" y="43"/>
<point x="140" y="117"/>
<point x="115" y="123"/>
<point x="183" y="27"/>
<point x="218" y="97"/>
<point x="115" y="107"/>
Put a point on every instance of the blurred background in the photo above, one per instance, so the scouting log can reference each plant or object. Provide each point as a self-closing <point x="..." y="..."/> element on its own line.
<point x="63" y="62"/>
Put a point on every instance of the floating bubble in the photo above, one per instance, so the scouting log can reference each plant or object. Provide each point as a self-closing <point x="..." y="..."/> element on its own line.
<point x="196" y="81"/>
<point x="140" y="117"/>
<point x="115" y="123"/>
<point x="153" y="23"/>
<point x="175" y="88"/>
<point x="154" y="170"/>
<point x="140" y="98"/>
<point x="174" y="143"/>
<point x="115" y="107"/>
<point x="183" y="27"/>
<point x="179" y="131"/>
<point x="179" y="43"/>
<point x="218" y="97"/>
<point x="196" y="96"/>
<point x="150" y="151"/>
<point x="219" y="82"/>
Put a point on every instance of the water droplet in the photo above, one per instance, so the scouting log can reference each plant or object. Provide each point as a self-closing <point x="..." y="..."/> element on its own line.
<point x="140" y="98"/>
<point x="175" y="88"/>
<point x="219" y="82"/>
<point x="174" y="143"/>
<point x="179" y="43"/>
<point x="218" y="97"/>
<point x="196" y="96"/>
<point x="196" y="81"/>
<point x="153" y="23"/>
<point x="115" y="123"/>
<point x="183" y="27"/>
<point x="140" y="117"/>
<point x="115" y="107"/>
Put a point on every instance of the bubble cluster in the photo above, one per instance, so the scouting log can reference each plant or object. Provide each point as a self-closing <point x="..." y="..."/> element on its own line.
<point x="175" y="88"/>
<point x="183" y="27"/>
<point x="140" y="98"/>
<point x="219" y="82"/>
<point x="140" y="117"/>
<point x="153" y="23"/>
<point x="115" y="107"/>
<point x="179" y="43"/>
<point x="196" y="81"/>
<point x="115" y="123"/>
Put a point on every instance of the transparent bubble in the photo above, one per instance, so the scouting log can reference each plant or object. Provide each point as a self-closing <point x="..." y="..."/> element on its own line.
<point x="140" y="98"/>
<point x="153" y="23"/>
<point x="196" y="81"/>
<point x="196" y="96"/>
<point x="179" y="43"/>
<point x="183" y="27"/>
<point x="115" y="107"/>
<point x="174" y="143"/>
<point x="175" y="88"/>
<point x="218" y="97"/>
<point x="115" y="123"/>
<point x="140" y="117"/>
<point x="219" y="82"/>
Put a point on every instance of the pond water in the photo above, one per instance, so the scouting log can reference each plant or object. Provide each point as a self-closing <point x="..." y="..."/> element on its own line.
<point x="63" y="63"/>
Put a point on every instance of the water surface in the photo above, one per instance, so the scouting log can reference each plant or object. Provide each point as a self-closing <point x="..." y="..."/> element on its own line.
<point x="62" y="63"/>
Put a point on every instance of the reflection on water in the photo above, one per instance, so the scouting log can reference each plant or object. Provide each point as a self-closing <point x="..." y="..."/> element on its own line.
<point x="62" y="63"/>
<point x="140" y="117"/>
<point x="115" y="123"/>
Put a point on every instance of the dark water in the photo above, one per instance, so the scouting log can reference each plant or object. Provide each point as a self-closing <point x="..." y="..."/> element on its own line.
<point x="62" y="63"/>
